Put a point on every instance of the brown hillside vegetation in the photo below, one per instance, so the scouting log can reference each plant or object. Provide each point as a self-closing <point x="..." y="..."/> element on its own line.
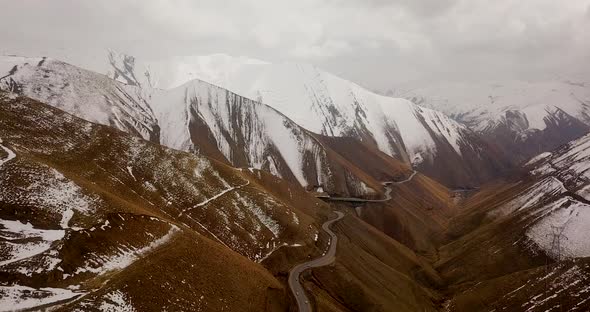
<point x="92" y="218"/>
<point x="417" y="214"/>
<point x="130" y="219"/>
<point x="370" y="160"/>
<point x="490" y="264"/>
<point x="384" y="253"/>
<point x="373" y="272"/>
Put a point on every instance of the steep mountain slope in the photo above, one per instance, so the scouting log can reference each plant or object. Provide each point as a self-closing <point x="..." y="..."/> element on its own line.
<point x="373" y="272"/>
<point x="91" y="216"/>
<point x="196" y="117"/>
<point x="331" y="106"/>
<point x="531" y="231"/>
<point x="525" y="118"/>
<point x="80" y="92"/>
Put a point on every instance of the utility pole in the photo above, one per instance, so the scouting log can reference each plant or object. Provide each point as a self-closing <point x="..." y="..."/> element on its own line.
<point x="557" y="235"/>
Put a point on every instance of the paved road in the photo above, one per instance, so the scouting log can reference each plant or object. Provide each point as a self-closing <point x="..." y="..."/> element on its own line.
<point x="300" y="296"/>
<point x="388" y="190"/>
<point x="302" y="301"/>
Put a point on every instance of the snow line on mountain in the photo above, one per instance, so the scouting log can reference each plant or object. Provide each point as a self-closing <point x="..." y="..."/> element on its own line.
<point x="122" y="260"/>
<point x="203" y="203"/>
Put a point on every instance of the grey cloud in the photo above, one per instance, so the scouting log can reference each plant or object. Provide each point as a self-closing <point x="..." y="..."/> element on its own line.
<point x="374" y="42"/>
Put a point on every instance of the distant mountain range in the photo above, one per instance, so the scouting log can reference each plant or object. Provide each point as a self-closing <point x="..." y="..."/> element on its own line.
<point x="524" y="118"/>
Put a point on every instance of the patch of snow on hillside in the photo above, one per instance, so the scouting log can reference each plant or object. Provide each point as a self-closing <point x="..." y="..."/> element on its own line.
<point x="46" y="188"/>
<point x="287" y="141"/>
<point x="584" y="192"/>
<point x="574" y="218"/>
<point x="365" y="189"/>
<point x="130" y="171"/>
<point x="415" y="137"/>
<point x="538" y="158"/>
<point x="125" y="257"/>
<point x="36" y="242"/>
<point x="273" y="168"/>
<point x="544" y="169"/>
<point x="202" y="165"/>
<point x="266" y="220"/>
<point x="443" y="126"/>
<point x="116" y="301"/>
<point x="16" y="297"/>
<point x="532" y="196"/>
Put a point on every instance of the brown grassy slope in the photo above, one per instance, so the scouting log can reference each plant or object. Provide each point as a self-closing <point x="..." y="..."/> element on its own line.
<point x="416" y="216"/>
<point x="370" y="160"/>
<point x="489" y="264"/>
<point x="561" y="287"/>
<point x="192" y="273"/>
<point x="373" y="272"/>
<point x="162" y="181"/>
<point x="151" y="185"/>
<point x="485" y="247"/>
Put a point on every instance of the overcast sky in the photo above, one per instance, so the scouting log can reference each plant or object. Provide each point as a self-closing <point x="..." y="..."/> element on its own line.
<point x="377" y="43"/>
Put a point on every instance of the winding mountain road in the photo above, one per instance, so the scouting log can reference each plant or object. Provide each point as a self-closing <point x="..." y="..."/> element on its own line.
<point x="303" y="304"/>
<point x="302" y="301"/>
<point x="362" y="200"/>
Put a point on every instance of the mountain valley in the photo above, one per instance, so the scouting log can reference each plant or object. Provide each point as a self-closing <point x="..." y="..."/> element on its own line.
<point x="203" y="188"/>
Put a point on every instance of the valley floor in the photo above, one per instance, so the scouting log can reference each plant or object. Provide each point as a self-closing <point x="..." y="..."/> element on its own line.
<point x="478" y="265"/>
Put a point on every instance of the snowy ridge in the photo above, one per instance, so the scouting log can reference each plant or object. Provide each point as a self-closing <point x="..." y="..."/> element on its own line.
<point x="524" y="118"/>
<point x="559" y="199"/>
<point x="86" y="94"/>
<point x="328" y="105"/>
<point x="482" y="105"/>
<point x="570" y="163"/>
<point x="241" y="128"/>
<point x="196" y="114"/>
<point x="323" y="103"/>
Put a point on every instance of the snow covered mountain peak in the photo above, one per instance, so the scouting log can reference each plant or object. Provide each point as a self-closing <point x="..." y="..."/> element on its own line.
<point x="176" y="71"/>
<point x="485" y="103"/>
<point x="329" y="105"/>
<point x="217" y="107"/>
<point x="524" y="117"/>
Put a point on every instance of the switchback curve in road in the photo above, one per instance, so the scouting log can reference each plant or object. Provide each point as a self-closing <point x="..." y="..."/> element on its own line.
<point x="300" y="296"/>
<point x="303" y="304"/>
